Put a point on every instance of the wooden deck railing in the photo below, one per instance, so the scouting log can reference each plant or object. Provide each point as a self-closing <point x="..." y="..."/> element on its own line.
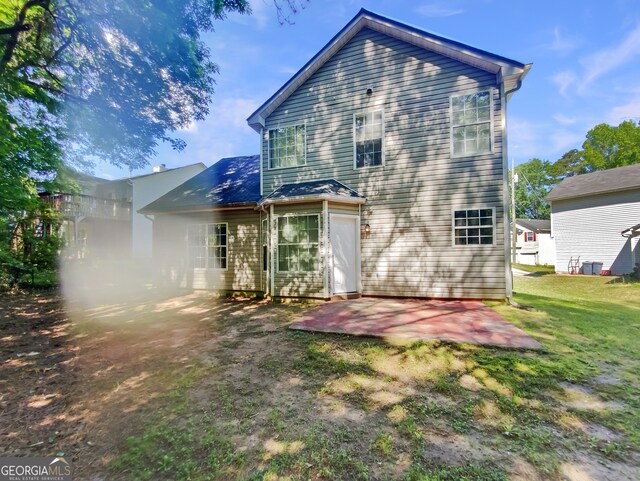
<point x="70" y="205"/>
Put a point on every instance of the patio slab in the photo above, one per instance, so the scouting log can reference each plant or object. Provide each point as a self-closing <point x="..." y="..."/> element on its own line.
<point x="416" y="320"/>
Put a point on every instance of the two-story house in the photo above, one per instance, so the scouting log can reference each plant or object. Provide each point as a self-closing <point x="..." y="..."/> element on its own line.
<point x="382" y="171"/>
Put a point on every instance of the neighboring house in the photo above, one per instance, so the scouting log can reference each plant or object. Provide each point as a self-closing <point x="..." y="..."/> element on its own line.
<point x="147" y="188"/>
<point x="595" y="217"/>
<point x="534" y="245"/>
<point x="382" y="171"/>
<point x="101" y="220"/>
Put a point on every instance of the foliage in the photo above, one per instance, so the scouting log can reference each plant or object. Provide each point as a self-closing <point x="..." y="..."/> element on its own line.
<point x="534" y="183"/>
<point x="119" y="76"/>
<point x="28" y="243"/>
<point x="605" y="147"/>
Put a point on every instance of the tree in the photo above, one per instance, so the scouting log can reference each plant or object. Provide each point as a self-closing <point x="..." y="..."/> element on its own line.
<point x="82" y="80"/>
<point x="534" y="183"/>
<point x="605" y="147"/>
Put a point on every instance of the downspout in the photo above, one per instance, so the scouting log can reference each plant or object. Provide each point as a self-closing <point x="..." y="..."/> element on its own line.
<point x="505" y="188"/>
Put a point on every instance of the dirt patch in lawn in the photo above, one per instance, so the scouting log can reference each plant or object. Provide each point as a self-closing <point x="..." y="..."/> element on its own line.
<point x="222" y="389"/>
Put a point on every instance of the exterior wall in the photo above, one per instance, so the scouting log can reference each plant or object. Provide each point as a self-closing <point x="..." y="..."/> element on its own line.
<point x="541" y="251"/>
<point x="590" y="227"/>
<point x="306" y="284"/>
<point x="147" y="189"/>
<point x="410" y="199"/>
<point x="244" y="269"/>
<point x="547" y="252"/>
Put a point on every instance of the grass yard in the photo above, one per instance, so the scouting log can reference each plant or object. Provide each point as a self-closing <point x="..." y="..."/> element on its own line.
<point x="187" y="388"/>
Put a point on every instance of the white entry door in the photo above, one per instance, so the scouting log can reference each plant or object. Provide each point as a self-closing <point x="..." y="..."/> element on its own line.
<point x="344" y="246"/>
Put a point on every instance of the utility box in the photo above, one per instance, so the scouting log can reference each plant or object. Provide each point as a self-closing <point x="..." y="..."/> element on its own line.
<point x="587" y="268"/>
<point x="597" y="268"/>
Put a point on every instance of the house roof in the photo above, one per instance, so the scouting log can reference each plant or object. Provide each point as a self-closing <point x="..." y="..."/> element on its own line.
<point x="508" y="71"/>
<point x="535" y="225"/>
<point x="328" y="189"/>
<point x="611" y="180"/>
<point x="162" y="171"/>
<point x="230" y="182"/>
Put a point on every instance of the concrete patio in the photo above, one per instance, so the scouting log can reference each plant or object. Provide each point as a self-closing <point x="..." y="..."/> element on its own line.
<point x="416" y="320"/>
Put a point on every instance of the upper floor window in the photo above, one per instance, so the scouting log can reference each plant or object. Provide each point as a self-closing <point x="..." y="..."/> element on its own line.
<point x="368" y="131"/>
<point x="473" y="227"/>
<point x="207" y="245"/>
<point x="287" y="147"/>
<point x="529" y="236"/>
<point x="471" y="124"/>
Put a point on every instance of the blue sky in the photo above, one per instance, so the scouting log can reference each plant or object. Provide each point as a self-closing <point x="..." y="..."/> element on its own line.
<point x="585" y="55"/>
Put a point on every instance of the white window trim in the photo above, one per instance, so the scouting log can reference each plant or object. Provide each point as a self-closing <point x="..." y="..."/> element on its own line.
<point x="526" y="236"/>
<point x="304" y="124"/>
<point x="473" y="246"/>
<point x="491" y="121"/>
<point x="353" y="128"/>
<point x="277" y="247"/>
<point x="207" y="257"/>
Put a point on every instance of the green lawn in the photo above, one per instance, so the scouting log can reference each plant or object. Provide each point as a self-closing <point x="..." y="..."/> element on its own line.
<point x="282" y="405"/>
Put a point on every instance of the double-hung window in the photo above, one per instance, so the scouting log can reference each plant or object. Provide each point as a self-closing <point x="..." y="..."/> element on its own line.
<point x="473" y="227"/>
<point x="298" y="243"/>
<point x="368" y="131"/>
<point x="207" y="244"/>
<point x="471" y="124"/>
<point x="287" y="147"/>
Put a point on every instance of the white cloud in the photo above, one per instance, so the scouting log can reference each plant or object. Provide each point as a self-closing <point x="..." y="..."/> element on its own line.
<point x="232" y="112"/>
<point x="192" y="128"/>
<point x="630" y="110"/>
<point x="561" y="43"/>
<point x="524" y="138"/>
<point x="563" y="140"/>
<point x="564" y="120"/>
<point x="564" y="80"/>
<point x="438" y="10"/>
<point x="609" y="59"/>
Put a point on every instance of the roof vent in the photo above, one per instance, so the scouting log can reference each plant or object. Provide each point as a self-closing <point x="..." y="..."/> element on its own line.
<point x="160" y="168"/>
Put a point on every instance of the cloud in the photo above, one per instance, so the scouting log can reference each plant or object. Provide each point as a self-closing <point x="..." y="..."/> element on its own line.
<point x="620" y="113"/>
<point x="524" y="138"/>
<point x="563" y="140"/>
<point x="564" y="120"/>
<point x="438" y="10"/>
<point x="564" y="80"/>
<point x="232" y="112"/>
<point x="561" y="44"/>
<point x="608" y="59"/>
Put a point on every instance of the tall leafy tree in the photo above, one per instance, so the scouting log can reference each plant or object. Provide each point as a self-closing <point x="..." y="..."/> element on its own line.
<point x="534" y="183"/>
<point x="605" y="147"/>
<point x="82" y="80"/>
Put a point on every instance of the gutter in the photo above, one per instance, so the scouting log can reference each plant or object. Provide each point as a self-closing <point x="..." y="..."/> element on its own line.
<point x="314" y="198"/>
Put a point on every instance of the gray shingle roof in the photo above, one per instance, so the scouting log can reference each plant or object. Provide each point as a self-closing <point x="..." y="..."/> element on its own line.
<point x="327" y="188"/>
<point x="612" y="180"/>
<point x="231" y="181"/>
<point x="535" y="225"/>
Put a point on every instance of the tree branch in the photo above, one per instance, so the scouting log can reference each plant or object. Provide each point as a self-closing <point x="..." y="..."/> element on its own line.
<point x="18" y="27"/>
<point x="15" y="29"/>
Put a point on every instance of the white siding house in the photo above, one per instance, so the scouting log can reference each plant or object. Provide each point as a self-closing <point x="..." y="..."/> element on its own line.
<point x="146" y="189"/>
<point x="592" y="216"/>
<point x="534" y="245"/>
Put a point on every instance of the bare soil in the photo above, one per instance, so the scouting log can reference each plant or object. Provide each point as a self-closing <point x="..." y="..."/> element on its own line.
<point x="79" y="380"/>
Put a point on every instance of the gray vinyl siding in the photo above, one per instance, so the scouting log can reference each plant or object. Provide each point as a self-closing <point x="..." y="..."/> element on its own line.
<point x="244" y="268"/>
<point x="590" y="227"/>
<point x="410" y="199"/>
<point x="299" y="284"/>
